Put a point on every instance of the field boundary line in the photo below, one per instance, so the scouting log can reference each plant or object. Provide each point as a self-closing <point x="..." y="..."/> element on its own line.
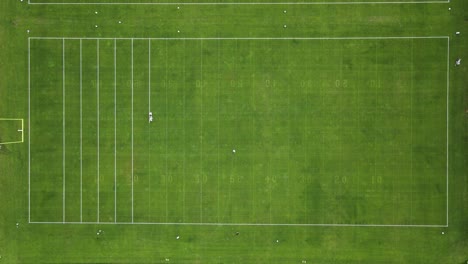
<point x="253" y="3"/>
<point x="253" y="38"/>
<point x="241" y="224"/>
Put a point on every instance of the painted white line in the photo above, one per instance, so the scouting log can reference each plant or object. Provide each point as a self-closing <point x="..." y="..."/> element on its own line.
<point x="132" y="130"/>
<point x="81" y="130"/>
<point x="242" y="224"/>
<point x="184" y="141"/>
<point x="201" y="131"/>
<point x="247" y="38"/>
<point x="20" y="130"/>
<point x="254" y="3"/>
<point x="98" y="161"/>
<point x="63" y="124"/>
<point x="115" y="130"/>
<point x="219" y="139"/>
<point x="167" y="116"/>
<point x="149" y="131"/>
<point x="448" y="114"/>
<point x="29" y="130"/>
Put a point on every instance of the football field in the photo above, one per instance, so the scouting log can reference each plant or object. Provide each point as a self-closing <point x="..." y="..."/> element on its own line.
<point x="233" y="132"/>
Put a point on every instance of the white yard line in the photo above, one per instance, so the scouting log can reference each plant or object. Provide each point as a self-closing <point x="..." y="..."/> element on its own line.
<point x="218" y="87"/>
<point x="448" y="110"/>
<point x="255" y="3"/>
<point x="97" y="90"/>
<point x="183" y="159"/>
<point x="201" y="131"/>
<point x="63" y="131"/>
<point x="115" y="130"/>
<point x="167" y="116"/>
<point x="29" y="130"/>
<point x="132" y="130"/>
<point x="149" y="132"/>
<point x="81" y="130"/>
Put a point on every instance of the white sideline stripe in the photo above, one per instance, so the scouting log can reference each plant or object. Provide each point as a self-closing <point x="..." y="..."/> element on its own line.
<point x="115" y="130"/>
<point x="247" y="38"/>
<point x="29" y="130"/>
<point x="98" y="160"/>
<point x="132" y="130"/>
<point x="240" y="224"/>
<point x="255" y="3"/>
<point x="81" y="130"/>
<point x="448" y="93"/>
<point x="63" y="123"/>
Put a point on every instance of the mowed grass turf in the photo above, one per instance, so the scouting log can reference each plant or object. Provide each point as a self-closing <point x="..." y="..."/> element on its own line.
<point x="332" y="136"/>
<point x="271" y="131"/>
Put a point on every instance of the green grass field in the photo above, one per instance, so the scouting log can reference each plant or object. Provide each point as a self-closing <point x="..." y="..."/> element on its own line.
<point x="285" y="133"/>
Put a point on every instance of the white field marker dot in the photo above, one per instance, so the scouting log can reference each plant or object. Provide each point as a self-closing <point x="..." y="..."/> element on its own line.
<point x="285" y="11"/>
<point x="95" y="25"/>
<point x="285" y="26"/>
<point x="178" y="31"/>
<point x="178" y="7"/>
<point x="277" y="241"/>
<point x="233" y="151"/>
<point x="96" y="12"/>
<point x="120" y="22"/>
<point x="27" y="31"/>
<point x="443" y="233"/>
<point x="177" y="237"/>
<point x="450" y="8"/>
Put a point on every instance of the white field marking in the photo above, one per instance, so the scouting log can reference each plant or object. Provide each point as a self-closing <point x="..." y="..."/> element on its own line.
<point x="81" y="130"/>
<point x="149" y="132"/>
<point x="201" y="131"/>
<point x="434" y="37"/>
<point x="115" y="130"/>
<point x="256" y="3"/>
<point x="98" y="161"/>
<point x="411" y="132"/>
<point x="11" y="142"/>
<point x="218" y="87"/>
<point x="242" y="224"/>
<point x="149" y="75"/>
<point x="166" y="175"/>
<point x="448" y="92"/>
<point x="29" y="130"/>
<point x="247" y="38"/>
<point x="63" y="123"/>
<point x="132" y="130"/>
<point x="183" y="129"/>
<point x="19" y="130"/>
